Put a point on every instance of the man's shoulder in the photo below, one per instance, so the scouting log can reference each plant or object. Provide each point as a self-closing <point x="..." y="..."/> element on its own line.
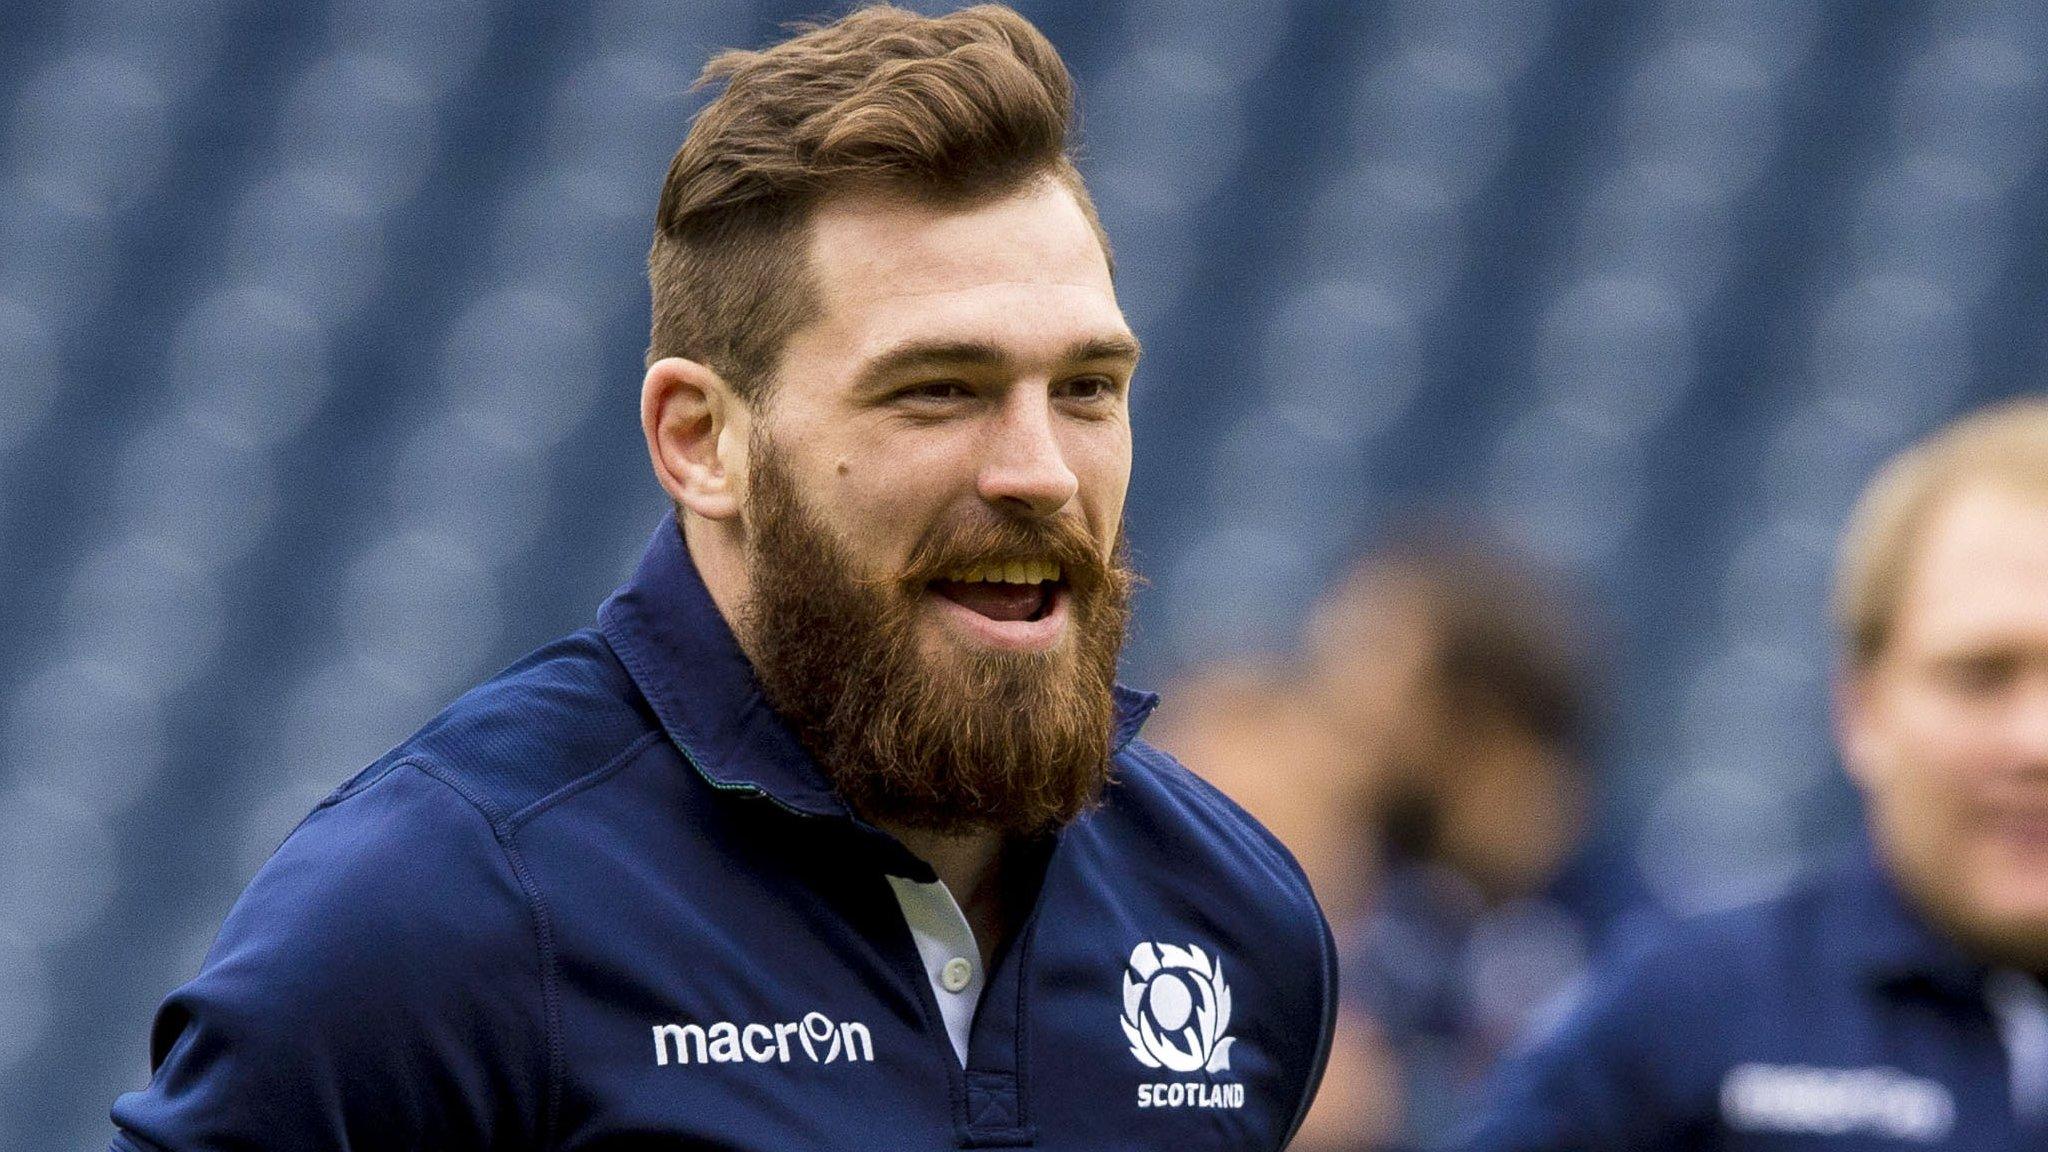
<point x="412" y="844"/>
<point x="402" y="852"/>
<point x="1191" y="820"/>
<point x="1731" y="972"/>
<point x="390" y="944"/>
<point x="1195" y="831"/>
<point x="1673" y="1008"/>
<point x="1755" y="942"/>
<point x="558" y="715"/>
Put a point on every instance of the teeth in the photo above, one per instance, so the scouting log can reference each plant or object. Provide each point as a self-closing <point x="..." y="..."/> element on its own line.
<point x="1011" y="572"/>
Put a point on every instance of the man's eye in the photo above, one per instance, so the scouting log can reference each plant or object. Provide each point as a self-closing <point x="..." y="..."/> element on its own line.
<point x="1980" y="675"/>
<point x="1088" y="388"/>
<point x="935" y="390"/>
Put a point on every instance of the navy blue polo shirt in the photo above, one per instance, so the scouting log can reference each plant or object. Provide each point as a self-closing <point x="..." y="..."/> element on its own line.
<point x="1833" y="1019"/>
<point x="606" y="899"/>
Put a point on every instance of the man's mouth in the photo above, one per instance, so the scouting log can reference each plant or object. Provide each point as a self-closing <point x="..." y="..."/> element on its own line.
<point x="1008" y="592"/>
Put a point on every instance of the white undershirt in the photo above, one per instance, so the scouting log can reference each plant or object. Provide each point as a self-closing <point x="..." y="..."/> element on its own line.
<point x="952" y="961"/>
<point x="2020" y="1004"/>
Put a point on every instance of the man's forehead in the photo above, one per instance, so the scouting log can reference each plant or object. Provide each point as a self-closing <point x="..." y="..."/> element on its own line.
<point x="1981" y="564"/>
<point x="1982" y="528"/>
<point x="873" y="246"/>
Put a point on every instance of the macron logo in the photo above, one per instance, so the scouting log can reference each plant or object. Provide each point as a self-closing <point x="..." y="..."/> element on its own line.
<point x="725" y="1042"/>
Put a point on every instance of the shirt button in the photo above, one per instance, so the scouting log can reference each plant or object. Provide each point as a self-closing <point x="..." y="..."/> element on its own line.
<point x="955" y="975"/>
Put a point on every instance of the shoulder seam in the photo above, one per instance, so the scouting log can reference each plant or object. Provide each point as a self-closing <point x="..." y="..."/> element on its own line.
<point x="1182" y="779"/>
<point x="610" y="768"/>
<point x="543" y="933"/>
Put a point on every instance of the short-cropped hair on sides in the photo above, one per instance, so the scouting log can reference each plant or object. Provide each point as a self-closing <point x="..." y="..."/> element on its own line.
<point x="970" y="106"/>
<point x="2004" y="444"/>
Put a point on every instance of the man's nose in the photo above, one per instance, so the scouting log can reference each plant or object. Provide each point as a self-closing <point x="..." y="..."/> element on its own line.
<point x="1025" y="469"/>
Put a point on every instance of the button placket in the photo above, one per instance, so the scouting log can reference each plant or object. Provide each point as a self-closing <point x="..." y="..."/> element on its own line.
<point x="956" y="974"/>
<point x="945" y="943"/>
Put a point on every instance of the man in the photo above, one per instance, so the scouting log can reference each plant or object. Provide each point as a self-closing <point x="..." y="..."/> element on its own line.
<point x="1897" y="1002"/>
<point x="835" y="832"/>
<point x="1465" y="685"/>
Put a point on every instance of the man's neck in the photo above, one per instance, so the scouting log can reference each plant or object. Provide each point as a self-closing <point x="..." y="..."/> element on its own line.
<point x="971" y="867"/>
<point x="718" y="553"/>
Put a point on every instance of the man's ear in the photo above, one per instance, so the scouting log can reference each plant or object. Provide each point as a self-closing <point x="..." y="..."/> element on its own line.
<point x="696" y="431"/>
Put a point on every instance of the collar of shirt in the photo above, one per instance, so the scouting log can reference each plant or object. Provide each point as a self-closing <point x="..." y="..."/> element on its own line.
<point x="682" y="654"/>
<point x="1892" y="944"/>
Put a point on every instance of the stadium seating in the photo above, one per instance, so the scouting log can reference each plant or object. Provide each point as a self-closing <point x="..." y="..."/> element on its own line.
<point x="321" y="325"/>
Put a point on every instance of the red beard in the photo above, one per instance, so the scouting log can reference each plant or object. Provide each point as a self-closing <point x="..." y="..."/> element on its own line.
<point x="1015" y="742"/>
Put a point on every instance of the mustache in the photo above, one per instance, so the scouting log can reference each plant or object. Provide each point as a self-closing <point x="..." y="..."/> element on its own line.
<point x="979" y="543"/>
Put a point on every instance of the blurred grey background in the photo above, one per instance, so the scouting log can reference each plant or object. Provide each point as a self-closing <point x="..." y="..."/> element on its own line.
<point x="321" y="326"/>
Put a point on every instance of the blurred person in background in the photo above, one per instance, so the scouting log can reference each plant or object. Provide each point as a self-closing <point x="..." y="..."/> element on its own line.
<point x="1256" y="729"/>
<point x="1897" y="999"/>
<point x="1466" y="684"/>
<point x="1427" y="759"/>
<point x="836" y="831"/>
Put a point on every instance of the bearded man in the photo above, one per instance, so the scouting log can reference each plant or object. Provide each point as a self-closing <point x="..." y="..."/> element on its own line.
<point x="835" y="832"/>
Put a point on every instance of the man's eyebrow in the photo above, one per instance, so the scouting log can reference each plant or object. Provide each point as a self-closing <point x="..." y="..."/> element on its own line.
<point x="1123" y="348"/>
<point x="929" y="354"/>
<point x="916" y="355"/>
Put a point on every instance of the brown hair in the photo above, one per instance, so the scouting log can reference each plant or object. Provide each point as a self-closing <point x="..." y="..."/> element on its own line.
<point x="1505" y="643"/>
<point x="951" y="109"/>
<point x="2006" y="442"/>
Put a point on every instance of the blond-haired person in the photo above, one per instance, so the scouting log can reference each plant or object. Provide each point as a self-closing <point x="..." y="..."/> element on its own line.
<point x="1899" y="1001"/>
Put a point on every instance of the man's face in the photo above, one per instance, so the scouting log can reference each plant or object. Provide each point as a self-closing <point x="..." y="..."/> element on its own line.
<point x="934" y="502"/>
<point x="1947" y="731"/>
